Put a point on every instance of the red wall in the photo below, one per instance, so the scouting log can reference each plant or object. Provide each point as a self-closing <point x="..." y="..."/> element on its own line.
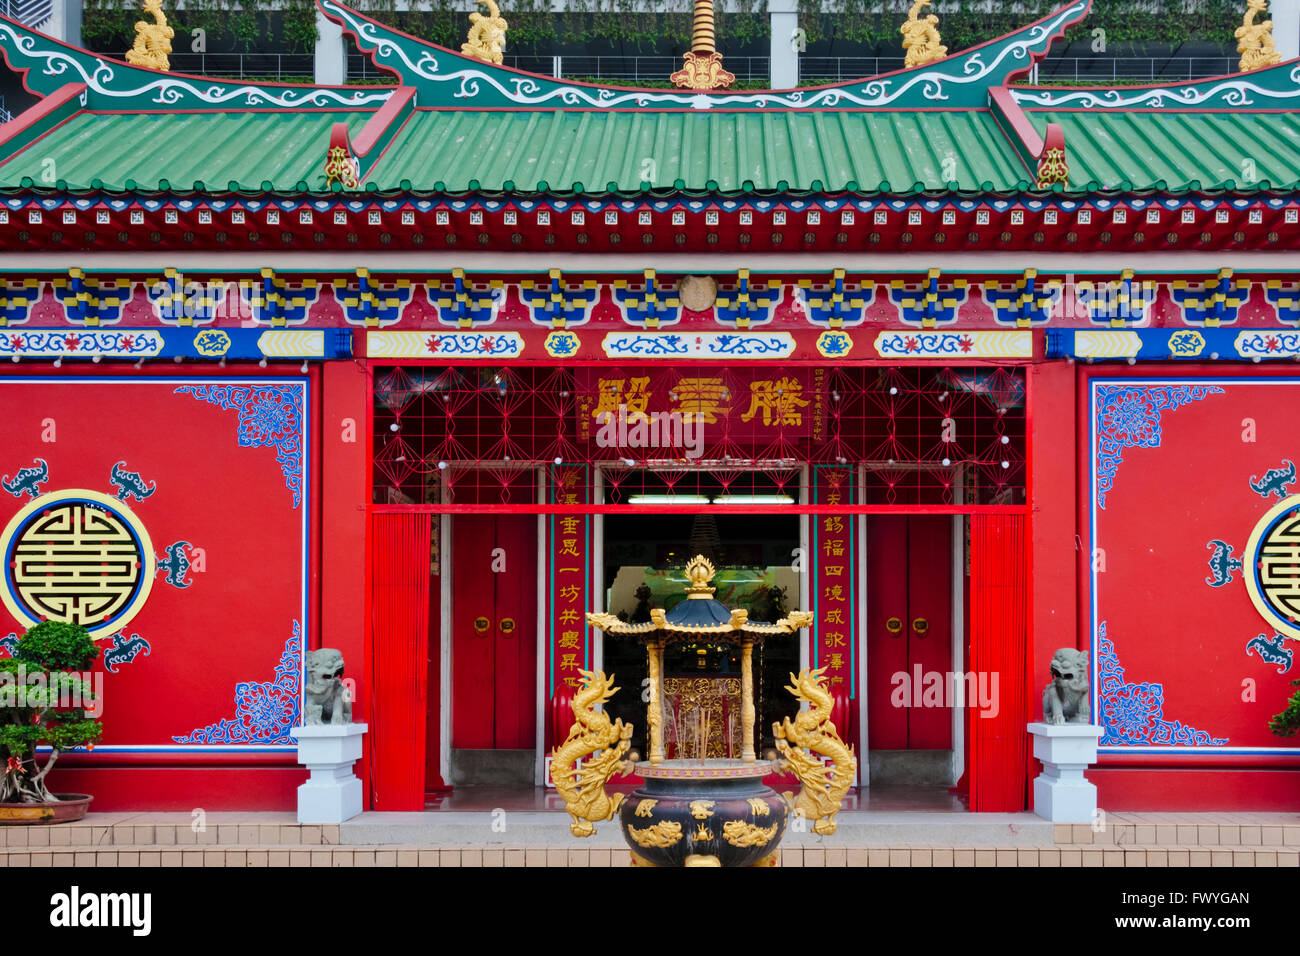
<point x="223" y="666"/>
<point x="1181" y="483"/>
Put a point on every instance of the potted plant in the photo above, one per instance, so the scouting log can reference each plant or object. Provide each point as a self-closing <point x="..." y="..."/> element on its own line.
<point x="45" y="696"/>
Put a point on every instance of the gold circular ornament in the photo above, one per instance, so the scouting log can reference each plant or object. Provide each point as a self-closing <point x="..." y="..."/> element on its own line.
<point x="79" y="557"/>
<point x="1273" y="574"/>
<point x="697" y="293"/>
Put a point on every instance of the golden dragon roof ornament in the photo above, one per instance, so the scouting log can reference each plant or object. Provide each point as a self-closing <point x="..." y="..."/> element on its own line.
<point x="921" y="37"/>
<point x="487" y="34"/>
<point x="1255" y="40"/>
<point x="153" y="41"/>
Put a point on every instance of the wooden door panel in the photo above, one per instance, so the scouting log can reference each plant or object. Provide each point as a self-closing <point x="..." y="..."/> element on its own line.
<point x="474" y="617"/>
<point x="515" y="634"/>
<point x="886" y="649"/>
<point x="929" y="626"/>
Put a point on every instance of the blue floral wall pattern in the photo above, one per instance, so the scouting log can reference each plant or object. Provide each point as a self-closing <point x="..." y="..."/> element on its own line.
<point x="269" y="416"/>
<point x="1128" y="416"/>
<point x="265" y="712"/>
<point x="1133" y="714"/>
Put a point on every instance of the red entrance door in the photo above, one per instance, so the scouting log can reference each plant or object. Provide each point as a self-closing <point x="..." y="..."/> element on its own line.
<point x="909" y="632"/>
<point x="494" y="632"/>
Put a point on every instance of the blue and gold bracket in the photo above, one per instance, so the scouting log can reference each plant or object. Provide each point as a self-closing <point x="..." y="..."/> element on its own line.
<point x="1024" y="305"/>
<point x="649" y="306"/>
<point x="464" y="306"/>
<point x="838" y="304"/>
<point x="91" y="302"/>
<point x="556" y="305"/>
<point x="372" y="304"/>
<point x="1211" y="303"/>
<point x="927" y="305"/>
<point x="748" y="303"/>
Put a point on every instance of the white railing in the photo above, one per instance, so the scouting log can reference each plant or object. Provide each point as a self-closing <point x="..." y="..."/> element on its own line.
<point x="632" y="70"/>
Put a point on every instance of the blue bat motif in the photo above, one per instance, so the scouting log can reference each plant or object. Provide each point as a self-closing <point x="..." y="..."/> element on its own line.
<point x="176" y="565"/>
<point x="28" y="480"/>
<point x="124" y="651"/>
<point x="1222" y="563"/>
<point x="1274" y="480"/>
<point x="1274" y="651"/>
<point x="129" y="483"/>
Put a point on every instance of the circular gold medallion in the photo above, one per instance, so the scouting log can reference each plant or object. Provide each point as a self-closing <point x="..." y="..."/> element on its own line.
<point x="1273" y="575"/>
<point x="79" y="557"/>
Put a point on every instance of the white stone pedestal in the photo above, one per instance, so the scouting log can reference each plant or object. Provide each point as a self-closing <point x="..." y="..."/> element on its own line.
<point x="332" y="794"/>
<point x="1061" y="792"/>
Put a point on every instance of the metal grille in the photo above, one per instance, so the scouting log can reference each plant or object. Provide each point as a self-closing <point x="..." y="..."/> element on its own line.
<point x="698" y="436"/>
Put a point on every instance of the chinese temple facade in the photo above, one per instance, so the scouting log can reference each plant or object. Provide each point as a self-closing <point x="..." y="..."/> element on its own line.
<point x="969" y="369"/>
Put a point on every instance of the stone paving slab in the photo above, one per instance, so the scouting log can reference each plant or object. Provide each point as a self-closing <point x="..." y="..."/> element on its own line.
<point x="585" y="856"/>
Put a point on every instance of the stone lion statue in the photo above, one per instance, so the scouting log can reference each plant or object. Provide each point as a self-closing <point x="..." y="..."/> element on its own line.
<point x="1065" y="699"/>
<point x="325" y="699"/>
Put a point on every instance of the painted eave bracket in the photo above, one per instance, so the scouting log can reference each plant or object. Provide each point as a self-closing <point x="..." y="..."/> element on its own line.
<point x="1043" y="156"/>
<point x="364" y="151"/>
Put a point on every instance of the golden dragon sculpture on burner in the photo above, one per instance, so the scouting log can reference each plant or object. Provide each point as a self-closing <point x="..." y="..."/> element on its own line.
<point x="810" y="734"/>
<point x="591" y="734"/>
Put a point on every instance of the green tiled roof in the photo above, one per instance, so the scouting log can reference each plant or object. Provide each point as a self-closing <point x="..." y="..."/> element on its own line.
<point x="764" y="152"/>
<point x="213" y="152"/>
<point x="1179" y="151"/>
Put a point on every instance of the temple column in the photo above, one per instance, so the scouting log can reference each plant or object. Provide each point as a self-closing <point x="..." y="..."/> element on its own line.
<point x="654" y="709"/>
<point x="747" y="701"/>
<point x="1285" y="15"/>
<point x="331" y="60"/>
<point x="785" y="47"/>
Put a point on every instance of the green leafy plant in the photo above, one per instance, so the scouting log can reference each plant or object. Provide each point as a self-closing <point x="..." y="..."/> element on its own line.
<point x="1287" y="723"/>
<point x="44" y="696"/>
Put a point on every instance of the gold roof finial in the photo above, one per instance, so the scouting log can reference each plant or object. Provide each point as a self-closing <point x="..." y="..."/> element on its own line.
<point x="1255" y="40"/>
<point x="153" y="41"/>
<point x="487" y="34"/>
<point x="921" y="37"/>
<point x="702" y="66"/>
<point x="699" y="571"/>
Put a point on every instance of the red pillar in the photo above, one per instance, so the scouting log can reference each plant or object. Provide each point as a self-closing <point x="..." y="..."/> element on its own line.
<point x="1055" y="554"/>
<point x="345" y="485"/>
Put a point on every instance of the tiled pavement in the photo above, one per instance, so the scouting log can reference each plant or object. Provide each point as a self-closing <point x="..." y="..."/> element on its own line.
<point x="274" y="839"/>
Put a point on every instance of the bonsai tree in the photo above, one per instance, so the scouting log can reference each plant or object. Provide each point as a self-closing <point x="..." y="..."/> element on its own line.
<point x="44" y="693"/>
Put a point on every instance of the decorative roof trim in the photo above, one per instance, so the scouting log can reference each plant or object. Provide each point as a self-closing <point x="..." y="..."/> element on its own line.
<point x="1029" y="146"/>
<point x="111" y="84"/>
<point x="32" y="124"/>
<point x="1272" y="88"/>
<point x="448" y="79"/>
<point x="379" y="131"/>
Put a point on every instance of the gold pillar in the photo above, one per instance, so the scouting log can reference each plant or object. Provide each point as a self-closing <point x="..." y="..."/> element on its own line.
<point x="655" y="708"/>
<point x="747" y="701"/>
<point x="702" y="67"/>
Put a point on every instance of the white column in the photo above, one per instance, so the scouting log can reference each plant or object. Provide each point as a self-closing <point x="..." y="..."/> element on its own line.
<point x="784" y="15"/>
<point x="1286" y="27"/>
<point x="63" y="23"/>
<point x="1062" y="793"/>
<point x="331" y="53"/>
